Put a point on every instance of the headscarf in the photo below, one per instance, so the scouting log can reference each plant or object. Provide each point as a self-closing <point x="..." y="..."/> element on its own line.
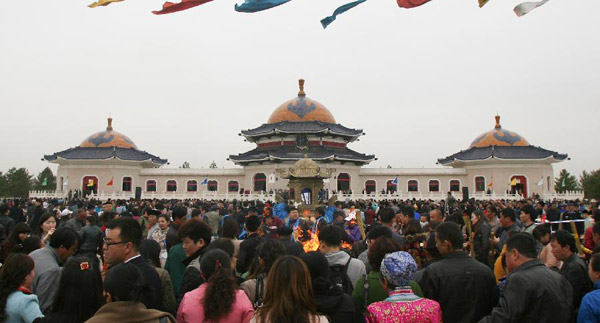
<point x="398" y="268"/>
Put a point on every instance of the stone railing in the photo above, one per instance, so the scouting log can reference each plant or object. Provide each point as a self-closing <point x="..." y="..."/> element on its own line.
<point x="436" y="196"/>
<point x="205" y="195"/>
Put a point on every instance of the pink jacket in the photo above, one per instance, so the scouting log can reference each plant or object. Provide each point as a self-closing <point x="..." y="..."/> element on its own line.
<point x="191" y="309"/>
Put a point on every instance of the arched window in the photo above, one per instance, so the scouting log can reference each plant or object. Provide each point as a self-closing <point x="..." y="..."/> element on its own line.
<point x="391" y="186"/>
<point x="343" y="182"/>
<point x="454" y="185"/>
<point x="192" y="186"/>
<point x="260" y="182"/>
<point x="413" y="186"/>
<point x="212" y="186"/>
<point x="151" y="186"/>
<point x="126" y="186"/>
<point x="434" y="185"/>
<point x="90" y="184"/>
<point x="171" y="186"/>
<point x="479" y="184"/>
<point x="370" y="186"/>
<point x="233" y="186"/>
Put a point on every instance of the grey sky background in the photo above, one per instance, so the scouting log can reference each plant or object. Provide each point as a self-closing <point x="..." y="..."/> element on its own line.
<point x="422" y="83"/>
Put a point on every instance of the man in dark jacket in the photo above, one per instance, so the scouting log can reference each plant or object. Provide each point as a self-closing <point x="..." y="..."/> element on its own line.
<point x="195" y="238"/>
<point x="464" y="287"/>
<point x="291" y="247"/>
<point x="573" y="268"/>
<point x="121" y="245"/>
<point x="248" y="246"/>
<point x="533" y="292"/>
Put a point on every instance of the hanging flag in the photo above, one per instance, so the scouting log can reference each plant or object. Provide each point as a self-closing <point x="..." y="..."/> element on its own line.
<point x="258" y="5"/>
<point x="170" y="7"/>
<point x="411" y="3"/>
<point x="491" y="184"/>
<point x="395" y="181"/>
<point x="205" y="181"/>
<point x="45" y="182"/>
<point x="102" y="3"/>
<point x="540" y="182"/>
<point x="513" y="182"/>
<point x="90" y="182"/>
<point x="111" y="182"/>
<point x="482" y="3"/>
<point x="66" y="182"/>
<point x="525" y="7"/>
<point x="327" y="20"/>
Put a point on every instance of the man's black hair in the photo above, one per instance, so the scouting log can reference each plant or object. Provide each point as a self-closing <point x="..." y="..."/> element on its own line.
<point x="379" y="231"/>
<point x="450" y="231"/>
<point x="509" y="213"/>
<point x="252" y="223"/>
<point x="596" y="228"/>
<point x="319" y="210"/>
<point x="524" y="243"/>
<point x="331" y="235"/>
<point x="195" y="230"/>
<point x="565" y="238"/>
<point x="387" y="215"/>
<point x="540" y="231"/>
<point x="595" y="262"/>
<point x="65" y="237"/>
<point x="179" y="212"/>
<point x="3" y="209"/>
<point x="131" y="231"/>
<point x="124" y="282"/>
<point x="529" y="210"/>
<point x="408" y="211"/>
<point x="493" y="209"/>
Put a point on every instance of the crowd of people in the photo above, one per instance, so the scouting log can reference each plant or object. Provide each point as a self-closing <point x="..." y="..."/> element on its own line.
<point x="355" y="261"/>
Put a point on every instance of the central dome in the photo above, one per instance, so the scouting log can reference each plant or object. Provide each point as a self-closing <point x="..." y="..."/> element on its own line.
<point x="108" y="138"/>
<point x="499" y="137"/>
<point x="301" y="109"/>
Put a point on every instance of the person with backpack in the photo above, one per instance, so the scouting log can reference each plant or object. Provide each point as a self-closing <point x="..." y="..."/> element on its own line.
<point x="330" y="300"/>
<point x="268" y="252"/>
<point x="344" y="271"/>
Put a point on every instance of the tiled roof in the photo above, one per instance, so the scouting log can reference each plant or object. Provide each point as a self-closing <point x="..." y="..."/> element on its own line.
<point x="102" y="153"/>
<point x="503" y="152"/>
<point x="302" y="127"/>
<point x="293" y="153"/>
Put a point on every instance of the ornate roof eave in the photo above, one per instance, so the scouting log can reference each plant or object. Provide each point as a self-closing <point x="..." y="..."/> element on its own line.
<point x="331" y="158"/>
<point x="149" y="160"/>
<point x="54" y="158"/>
<point x="452" y="161"/>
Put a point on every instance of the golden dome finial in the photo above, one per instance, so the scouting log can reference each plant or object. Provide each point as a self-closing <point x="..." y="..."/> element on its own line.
<point x="109" y="127"/>
<point x="301" y="85"/>
<point x="498" y="122"/>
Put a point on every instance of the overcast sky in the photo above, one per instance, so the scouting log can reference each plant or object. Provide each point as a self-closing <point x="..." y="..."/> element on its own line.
<point x="422" y="83"/>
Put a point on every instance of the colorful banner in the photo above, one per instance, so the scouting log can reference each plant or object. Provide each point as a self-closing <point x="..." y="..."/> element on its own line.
<point x="340" y="10"/>
<point x="411" y="3"/>
<point x="102" y="3"/>
<point x="170" y="7"/>
<point x="258" y="5"/>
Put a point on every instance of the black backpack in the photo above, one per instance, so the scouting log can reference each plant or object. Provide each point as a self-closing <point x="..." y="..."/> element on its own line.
<point x="338" y="274"/>
<point x="258" y="296"/>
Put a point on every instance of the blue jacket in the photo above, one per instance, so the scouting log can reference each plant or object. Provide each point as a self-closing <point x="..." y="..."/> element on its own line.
<point x="589" y="310"/>
<point x="22" y="308"/>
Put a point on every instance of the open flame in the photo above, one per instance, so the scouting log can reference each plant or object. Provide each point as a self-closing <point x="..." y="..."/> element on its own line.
<point x="346" y="245"/>
<point x="308" y="239"/>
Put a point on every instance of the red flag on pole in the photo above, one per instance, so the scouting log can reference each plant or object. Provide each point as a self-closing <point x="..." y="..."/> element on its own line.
<point x="110" y="183"/>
